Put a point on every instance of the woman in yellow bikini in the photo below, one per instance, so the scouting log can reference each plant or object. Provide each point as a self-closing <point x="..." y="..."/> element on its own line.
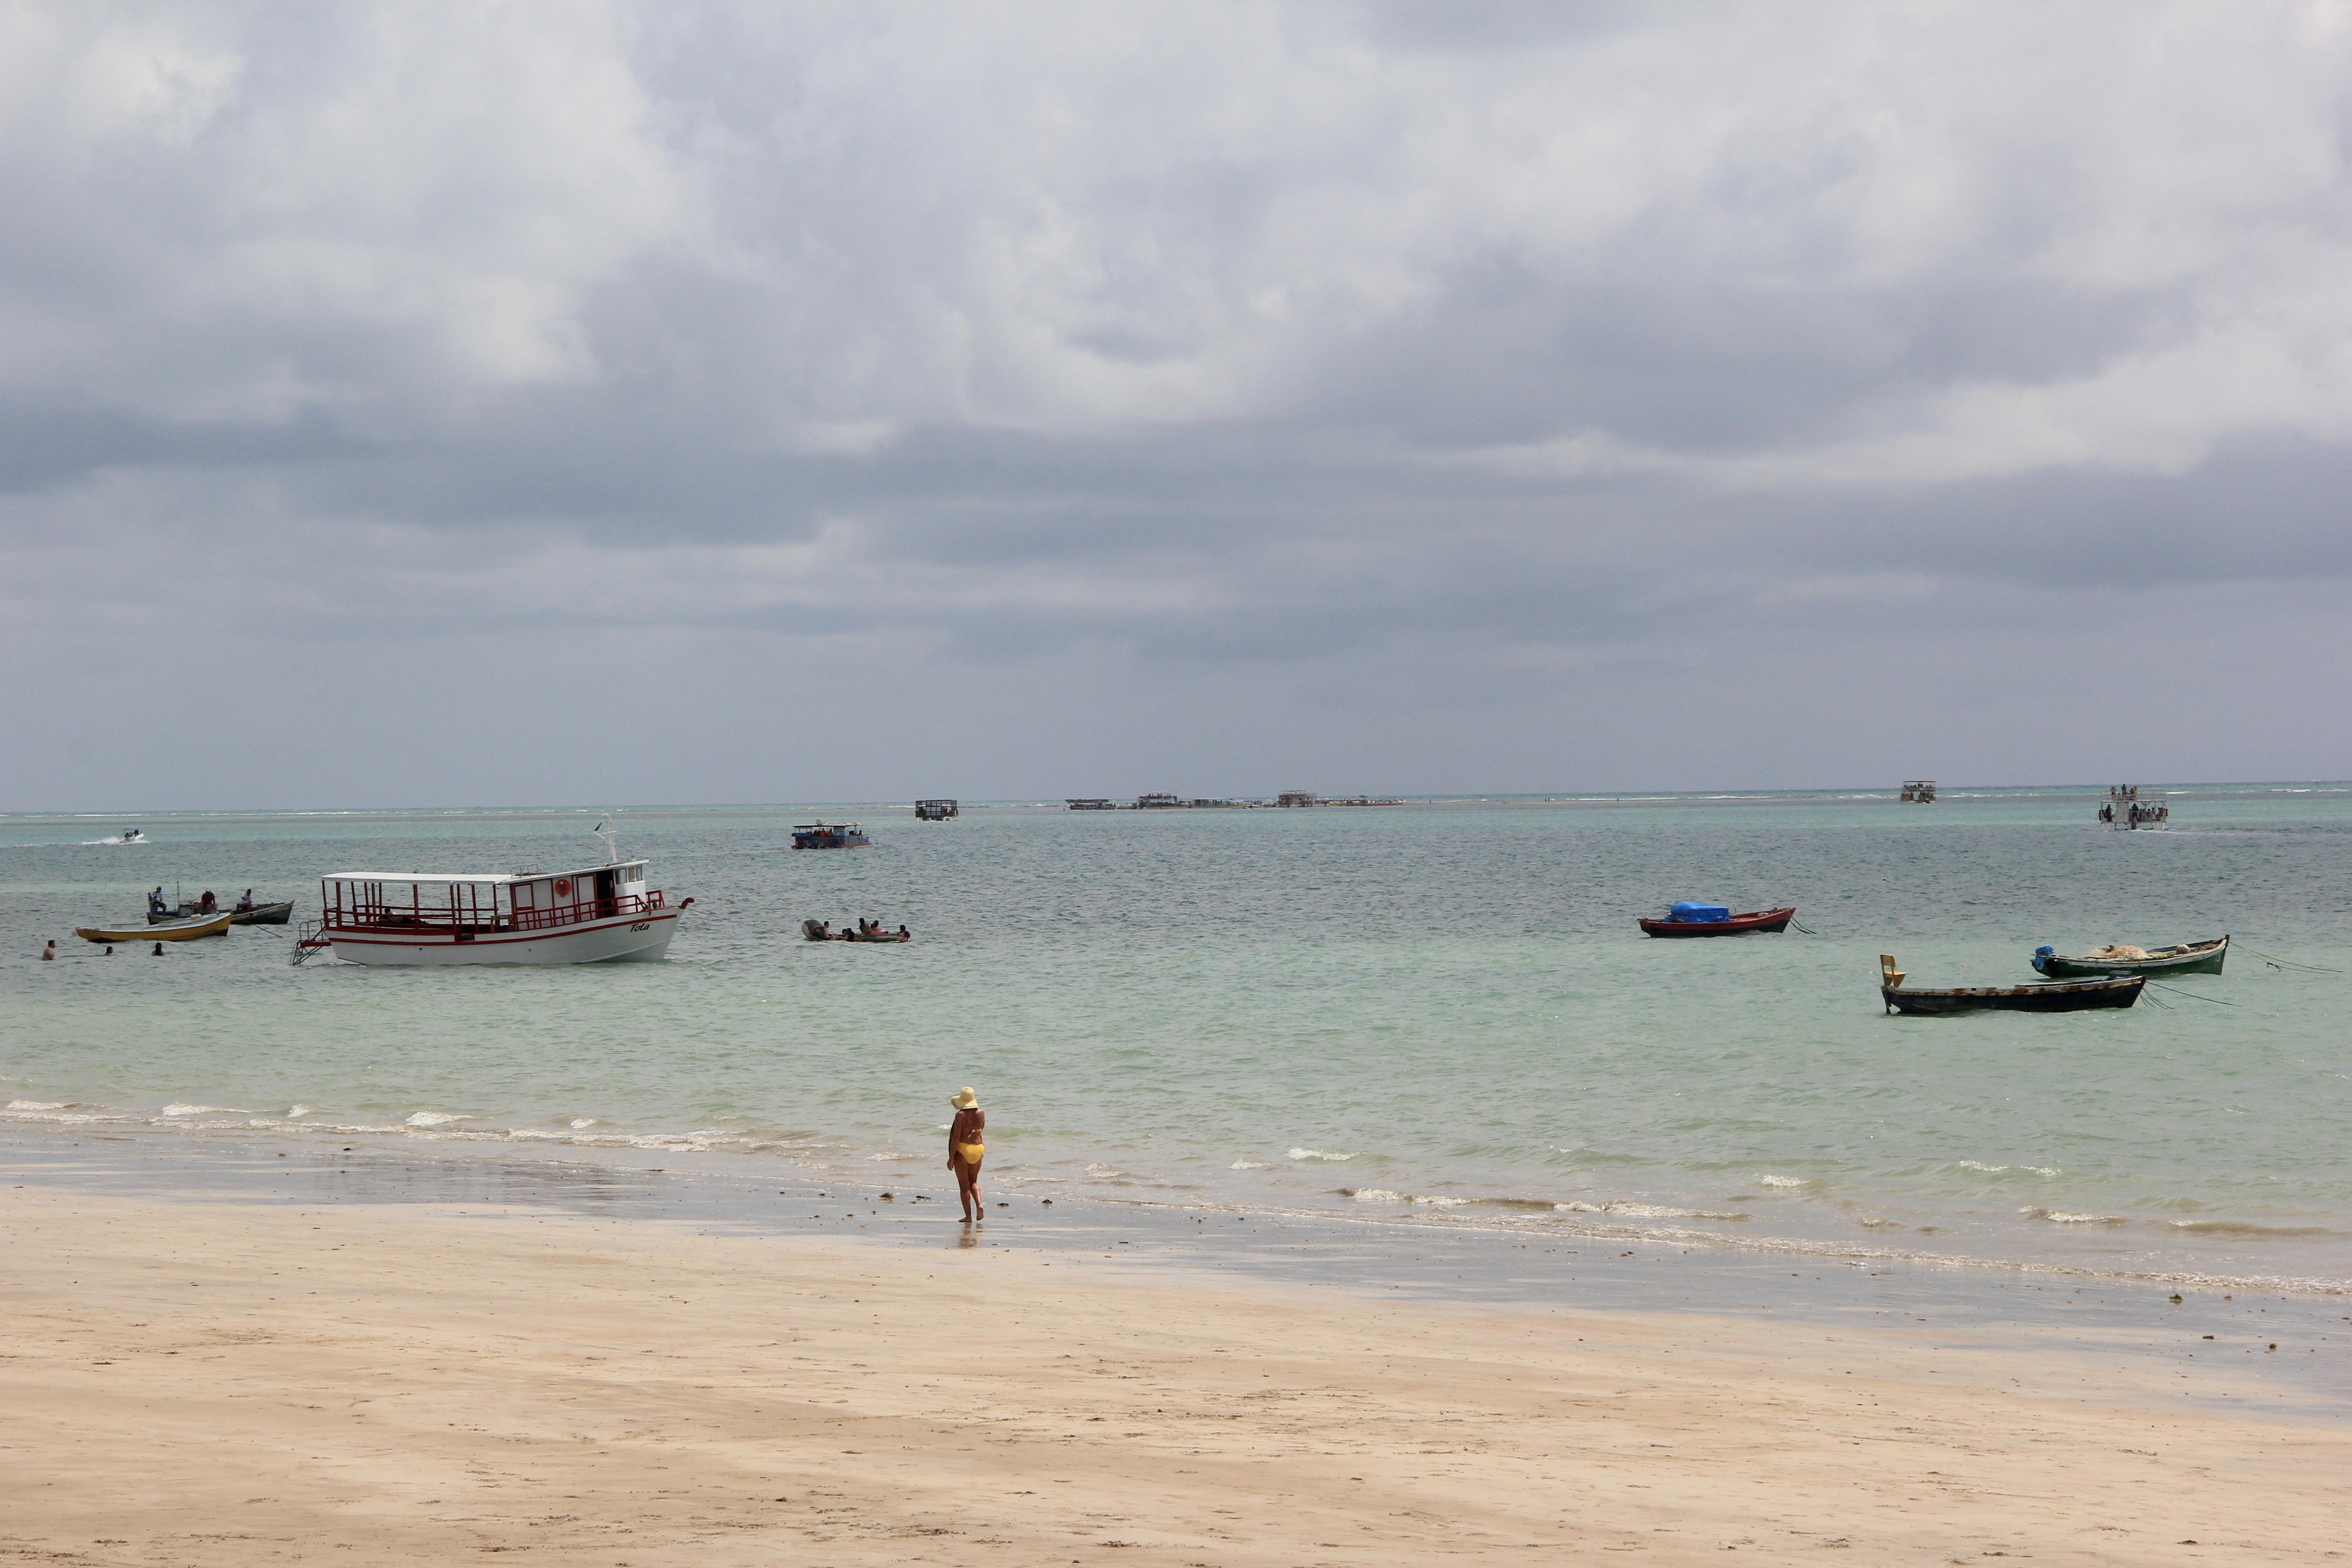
<point x="964" y="1150"/>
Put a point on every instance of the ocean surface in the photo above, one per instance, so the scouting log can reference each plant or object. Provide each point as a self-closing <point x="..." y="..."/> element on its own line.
<point x="1438" y="1012"/>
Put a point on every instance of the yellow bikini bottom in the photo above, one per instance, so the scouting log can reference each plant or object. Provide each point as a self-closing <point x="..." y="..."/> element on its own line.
<point x="972" y="1151"/>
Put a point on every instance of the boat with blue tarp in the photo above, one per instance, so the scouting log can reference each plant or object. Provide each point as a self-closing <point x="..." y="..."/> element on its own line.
<point x="1694" y="919"/>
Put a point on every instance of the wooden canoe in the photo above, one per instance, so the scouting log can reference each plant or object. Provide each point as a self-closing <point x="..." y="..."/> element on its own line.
<point x="2181" y="958"/>
<point x="177" y="931"/>
<point x="1738" y="925"/>
<point x="2041" y="996"/>
<point x="263" y="915"/>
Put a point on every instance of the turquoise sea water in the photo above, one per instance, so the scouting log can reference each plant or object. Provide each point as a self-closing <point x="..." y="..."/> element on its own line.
<point x="1441" y="1012"/>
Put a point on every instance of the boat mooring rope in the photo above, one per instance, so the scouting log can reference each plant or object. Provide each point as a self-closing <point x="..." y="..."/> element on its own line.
<point x="2283" y="963"/>
<point x="1802" y="927"/>
<point x="2190" y="994"/>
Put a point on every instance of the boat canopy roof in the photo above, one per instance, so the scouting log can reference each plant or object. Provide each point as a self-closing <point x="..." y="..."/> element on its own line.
<point x="493" y="878"/>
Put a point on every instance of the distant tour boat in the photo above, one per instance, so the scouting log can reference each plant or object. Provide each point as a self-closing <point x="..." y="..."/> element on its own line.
<point x="596" y="915"/>
<point x="829" y="835"/>
<point x="940" y="810"/>
<point x="132" y="835"/>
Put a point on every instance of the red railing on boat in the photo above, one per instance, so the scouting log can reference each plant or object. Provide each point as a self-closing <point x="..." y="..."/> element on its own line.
<point x="377" y="916"/>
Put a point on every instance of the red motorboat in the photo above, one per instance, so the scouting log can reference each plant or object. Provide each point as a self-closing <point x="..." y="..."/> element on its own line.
<point x="1733" y="925"/>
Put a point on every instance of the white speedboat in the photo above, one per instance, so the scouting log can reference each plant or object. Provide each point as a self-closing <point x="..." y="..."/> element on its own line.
<point x="132" y="835"/>
<point x="599" y="914"/>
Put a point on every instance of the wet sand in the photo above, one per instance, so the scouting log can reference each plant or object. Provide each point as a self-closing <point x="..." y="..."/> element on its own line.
<point x="234" y="1383"/>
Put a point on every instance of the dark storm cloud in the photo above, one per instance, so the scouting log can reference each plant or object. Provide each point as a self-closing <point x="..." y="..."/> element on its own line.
<point x="1342" y="351"/>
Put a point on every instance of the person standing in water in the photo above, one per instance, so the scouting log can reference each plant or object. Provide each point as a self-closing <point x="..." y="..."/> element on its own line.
<point x="965" y="1147"/>
<point x="49" y="954"/>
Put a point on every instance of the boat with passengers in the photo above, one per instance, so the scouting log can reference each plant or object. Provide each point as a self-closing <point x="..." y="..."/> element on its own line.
<point x="597" y="914"/>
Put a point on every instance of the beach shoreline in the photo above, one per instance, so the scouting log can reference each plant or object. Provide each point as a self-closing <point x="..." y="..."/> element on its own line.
<point x="222" y="1382"/>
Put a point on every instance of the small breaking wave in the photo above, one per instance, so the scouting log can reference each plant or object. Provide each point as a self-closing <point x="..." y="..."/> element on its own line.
<point x="2246" y="1228"/>
<point x="1251" y="1165"/>
<point x="2060" y="1216"/>
<point x="1319" y="1154"/>
<point x="40" y="1105"/>
<point x="178" y="1108"/>
<point x="434" y="1118"/>
<point x="1642" y="1211"/>
<point x="1383" y="1195"/>
<point x="1782" y="1182"/>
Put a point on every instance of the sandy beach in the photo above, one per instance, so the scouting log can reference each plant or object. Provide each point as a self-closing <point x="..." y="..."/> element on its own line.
<point x="238" y="1382"/>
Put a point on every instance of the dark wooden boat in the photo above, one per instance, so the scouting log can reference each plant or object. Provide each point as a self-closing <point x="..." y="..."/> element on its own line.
<point x="2039" y="996"/>
<point x="2181" y="958"/>
<point x="1738" y="925"/>
<point x="263" y="915"/>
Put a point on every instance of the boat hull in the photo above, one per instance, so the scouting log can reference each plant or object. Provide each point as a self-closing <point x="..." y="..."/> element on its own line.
<point x="177" y="931"/>
<point x="2061" y="996"/>
<point x="640" y="939"/>
<point x="263" y="915"/>
<point x="2201" y="958"/>
<point x="1738" y="925"/>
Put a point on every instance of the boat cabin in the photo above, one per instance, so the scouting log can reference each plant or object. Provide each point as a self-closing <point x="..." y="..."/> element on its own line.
<point x="829" y="836"/>
<point x="935" y="811"/>
<point x="460" y="905"/>
<point x="1919" y="792"/>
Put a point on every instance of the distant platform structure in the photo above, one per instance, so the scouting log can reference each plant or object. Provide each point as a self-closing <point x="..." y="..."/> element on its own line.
<point x="1297" y="797"/>
<point x="1919" y="792"/>
<point x="935" y="811"/>
<point x="1091" y="803"/>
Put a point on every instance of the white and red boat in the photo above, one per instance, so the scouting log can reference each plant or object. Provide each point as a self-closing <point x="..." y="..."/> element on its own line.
<point x="598" y="915"/>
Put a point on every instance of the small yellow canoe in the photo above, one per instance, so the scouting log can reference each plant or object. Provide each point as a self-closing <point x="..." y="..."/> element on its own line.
<point x="175" y="930"/>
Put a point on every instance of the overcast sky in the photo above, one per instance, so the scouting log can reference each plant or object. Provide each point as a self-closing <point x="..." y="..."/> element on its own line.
<point x="581" y="404"/>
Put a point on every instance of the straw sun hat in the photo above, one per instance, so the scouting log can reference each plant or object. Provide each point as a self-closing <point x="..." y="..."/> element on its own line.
<point x="964" y="1099"/>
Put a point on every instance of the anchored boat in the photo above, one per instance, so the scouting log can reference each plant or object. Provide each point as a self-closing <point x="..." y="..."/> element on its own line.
<point x="598" y="914"/>
<point x="1714" y="919"/>
<point x="2181" y="958"/>
<point x="2039" y="996"/>
<point x="171" y="930"/>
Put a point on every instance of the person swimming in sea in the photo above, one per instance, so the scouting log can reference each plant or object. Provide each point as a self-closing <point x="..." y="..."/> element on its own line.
<point x="965" y="1149"/>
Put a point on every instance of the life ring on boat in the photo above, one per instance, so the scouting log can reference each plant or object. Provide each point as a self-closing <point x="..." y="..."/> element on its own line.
<point x="564" y="886"/>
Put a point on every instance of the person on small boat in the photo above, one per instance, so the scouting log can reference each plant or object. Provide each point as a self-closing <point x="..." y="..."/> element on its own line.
<point x="965" y="1149"/>
<point x="156" y="902"/>
<point x="207" y="905"/>
<point x="245" y="904"/>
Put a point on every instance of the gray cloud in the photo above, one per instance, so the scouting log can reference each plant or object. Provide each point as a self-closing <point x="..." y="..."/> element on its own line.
<point x="1516" y="396"/>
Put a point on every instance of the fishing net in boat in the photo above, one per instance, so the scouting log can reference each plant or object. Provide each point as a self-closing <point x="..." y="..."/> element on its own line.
<point x="2120" y="950"/>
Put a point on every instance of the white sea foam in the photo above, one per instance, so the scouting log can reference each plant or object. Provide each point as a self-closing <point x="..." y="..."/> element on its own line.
<point x="1782" y="1181"/>
<point x="1383" y="1195"/>
<point x="2060" y="1216"/>
<point x="432" y="1119"/>
<point x="1976" y="1165"/>
<point x="1319" y="1154"/>
<point x="294" y="1110"/>
<point x="577" y="1123"/>
<point x="1642" y="1211"/>
<point x="38" y="1104"/>
<point x="1251" y="1165"/>
<point x="178" y="1108"/>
